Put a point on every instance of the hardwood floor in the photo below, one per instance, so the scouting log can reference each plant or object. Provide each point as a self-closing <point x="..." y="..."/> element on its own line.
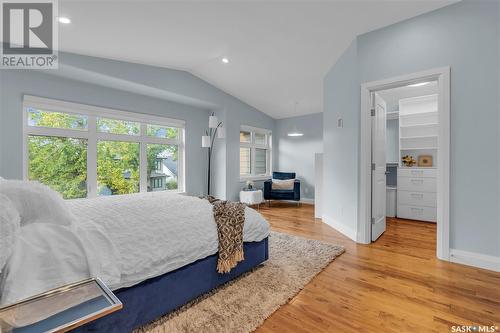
<point x="393" y="285"/>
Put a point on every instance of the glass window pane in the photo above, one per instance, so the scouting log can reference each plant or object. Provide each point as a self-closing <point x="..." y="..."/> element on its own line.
<point x="41" y="118"/>
<point x="245" y="136"/>
<point x="60" y="163"/>
<point x="117" y="167"/>
<point x="114" y="126"/>
<point x="162" y="132"/>
<point x="260" y="161"/>
<point x="260" y="139"/>
<point x="245" y="161"/>
<point x="163" y="167"/>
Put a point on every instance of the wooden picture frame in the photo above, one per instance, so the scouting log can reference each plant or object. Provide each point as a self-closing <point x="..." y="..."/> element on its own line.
<point x="425" y="161"/>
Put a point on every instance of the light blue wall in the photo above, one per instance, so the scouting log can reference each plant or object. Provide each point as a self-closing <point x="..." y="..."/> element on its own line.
<point x="296" y="154"/>
<point x="49" y="86"/>
<point x="341" y="145"/>
<point x="464" y="36"/>
<point x="175" y="85"/>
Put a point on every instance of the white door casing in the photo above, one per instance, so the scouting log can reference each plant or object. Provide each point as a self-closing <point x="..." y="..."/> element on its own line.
<point x="442" y="75"/>
<point x="379" y="126"/>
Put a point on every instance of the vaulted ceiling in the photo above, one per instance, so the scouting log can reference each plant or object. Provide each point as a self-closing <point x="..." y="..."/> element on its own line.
<point x="278" y="51"/>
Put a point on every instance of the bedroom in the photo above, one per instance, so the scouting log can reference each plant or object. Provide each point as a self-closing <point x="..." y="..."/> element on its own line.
<point x="119" y="128"/>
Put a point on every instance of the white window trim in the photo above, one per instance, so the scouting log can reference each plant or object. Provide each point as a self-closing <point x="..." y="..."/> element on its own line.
<point x="92" y="112"/>
<point x="268" y="146"/>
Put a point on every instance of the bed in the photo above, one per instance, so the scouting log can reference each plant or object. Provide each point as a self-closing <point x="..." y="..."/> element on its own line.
<point x="157" y="251"/>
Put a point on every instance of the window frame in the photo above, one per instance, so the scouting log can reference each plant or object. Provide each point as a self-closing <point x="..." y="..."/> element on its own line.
<point x="92" y="135"/>
<point x="253" y="146"/>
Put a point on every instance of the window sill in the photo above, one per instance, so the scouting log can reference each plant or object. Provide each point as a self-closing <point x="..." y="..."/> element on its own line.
<point x="247" y="178"/>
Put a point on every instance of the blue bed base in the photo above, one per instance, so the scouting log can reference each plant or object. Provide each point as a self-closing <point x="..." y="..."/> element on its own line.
<point x="158" y="296"/>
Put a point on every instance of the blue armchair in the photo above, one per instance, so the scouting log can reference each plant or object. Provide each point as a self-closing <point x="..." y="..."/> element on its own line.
<point x="270" y="194"/>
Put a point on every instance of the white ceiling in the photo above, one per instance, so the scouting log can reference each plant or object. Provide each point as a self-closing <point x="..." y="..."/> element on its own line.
<point x="279" y="50"/>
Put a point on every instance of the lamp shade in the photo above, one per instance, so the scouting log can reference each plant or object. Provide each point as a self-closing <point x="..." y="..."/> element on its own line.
<point x="205" y="141"/>
<point x="221" y="132"/>
<point x="213" y="121"/>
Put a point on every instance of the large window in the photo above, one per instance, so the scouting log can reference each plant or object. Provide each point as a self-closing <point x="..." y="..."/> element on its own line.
<point x="83" y="151"/>
<point x="255" y="153"/>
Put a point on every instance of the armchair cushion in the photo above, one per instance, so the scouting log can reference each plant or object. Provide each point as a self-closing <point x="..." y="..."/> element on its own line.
<point x="283" y="184"/>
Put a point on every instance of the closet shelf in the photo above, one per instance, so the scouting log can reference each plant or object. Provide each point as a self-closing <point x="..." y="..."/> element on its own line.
<point x="418" y="137"/>
<point x="420" y="125"/>
<point x="417" y="114"/>
<point x="420" y="148"/>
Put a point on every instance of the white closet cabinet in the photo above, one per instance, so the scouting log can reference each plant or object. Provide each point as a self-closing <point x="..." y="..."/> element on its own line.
<point x="418" y="135"/>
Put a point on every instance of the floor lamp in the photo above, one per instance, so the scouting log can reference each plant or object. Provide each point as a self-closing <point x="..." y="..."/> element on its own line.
<point x="215" y="129"/>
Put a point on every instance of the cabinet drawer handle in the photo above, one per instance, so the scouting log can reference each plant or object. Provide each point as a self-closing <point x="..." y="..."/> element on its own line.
<point x="417" y="172"/>
<point x="417" y="181"/>
<point x="417" y="195"/>
<point x="417" y="209"/>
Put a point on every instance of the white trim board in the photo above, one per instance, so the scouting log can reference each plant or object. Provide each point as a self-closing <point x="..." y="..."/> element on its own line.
<point x="442" y="75"/>
<point x="475" y="259"/>
<point x="305" y="201"/>
<point x="342" y="228"/>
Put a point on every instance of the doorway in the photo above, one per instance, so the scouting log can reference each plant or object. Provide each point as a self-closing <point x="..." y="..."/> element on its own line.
<point x="421" y="159"/>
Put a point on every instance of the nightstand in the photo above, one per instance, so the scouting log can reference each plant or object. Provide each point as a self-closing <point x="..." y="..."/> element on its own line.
<point x="61" y="309"/>
<point x="251" y="197"/>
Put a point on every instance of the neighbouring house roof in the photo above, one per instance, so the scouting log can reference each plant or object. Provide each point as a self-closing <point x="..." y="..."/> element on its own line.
<point x="171" y="165"/>
<point x="156" y="174"/>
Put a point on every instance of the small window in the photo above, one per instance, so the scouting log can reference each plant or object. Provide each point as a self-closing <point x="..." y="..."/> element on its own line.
<point x="158" y="165"/>
<point x="162" y="132"/>
<point x="60" y="163"/>
<point x="49" y="119"/>
<point x="260" y="139"/>
<point x="245" y="161"/>
<point x="163" y="163"/>
<point x="260" y="161"/>
<point x="245" y="137"/>
<point x="114" y="126"/>
<point x="255" y="152"/>
<point x="117" y="167"/>
<point x="158" y="183"/>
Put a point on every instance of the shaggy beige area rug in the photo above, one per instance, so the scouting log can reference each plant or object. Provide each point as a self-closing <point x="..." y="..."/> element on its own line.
<point x="242" y="305"/>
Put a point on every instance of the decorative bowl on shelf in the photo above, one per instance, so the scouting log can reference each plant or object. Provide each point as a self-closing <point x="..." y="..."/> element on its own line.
<point x="408" y="161"/>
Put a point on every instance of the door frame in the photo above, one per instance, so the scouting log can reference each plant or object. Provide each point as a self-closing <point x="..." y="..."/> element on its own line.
<point x="442" y="75"/>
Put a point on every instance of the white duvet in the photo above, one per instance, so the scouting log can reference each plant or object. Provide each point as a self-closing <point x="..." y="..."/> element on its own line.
<point x="122" y="239"/>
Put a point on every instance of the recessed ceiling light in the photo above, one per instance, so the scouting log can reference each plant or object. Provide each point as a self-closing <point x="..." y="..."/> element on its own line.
<point x="418" y="84"/>
<point x="64" y="20"/>
<point x="225" y="60"/>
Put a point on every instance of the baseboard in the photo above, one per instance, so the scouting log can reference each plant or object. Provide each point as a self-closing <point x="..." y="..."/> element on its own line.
<point x="475" y="259"/>
<point x="343" y="229"/>
<point x="305" y="201"/>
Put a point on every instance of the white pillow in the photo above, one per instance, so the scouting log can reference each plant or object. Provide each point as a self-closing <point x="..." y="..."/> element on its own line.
<point x="36" y="202"/>
<point x="9" y="225"/>
<point x="283" y="184"/>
